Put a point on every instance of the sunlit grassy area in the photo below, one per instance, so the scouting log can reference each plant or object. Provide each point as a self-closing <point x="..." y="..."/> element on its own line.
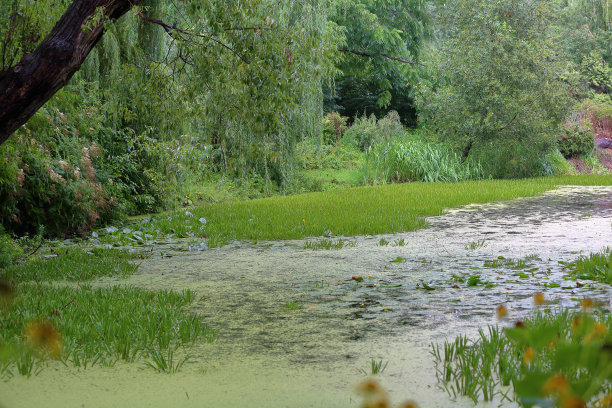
<point x="352" y="211"/>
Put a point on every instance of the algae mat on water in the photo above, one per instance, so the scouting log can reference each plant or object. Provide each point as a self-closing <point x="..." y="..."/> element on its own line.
<point x="295" y="329"/>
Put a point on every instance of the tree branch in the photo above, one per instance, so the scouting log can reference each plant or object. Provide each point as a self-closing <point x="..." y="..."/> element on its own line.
<point x="379" y="54"/>
<point x="173" y="28"/>
<point x="25" y="87"/>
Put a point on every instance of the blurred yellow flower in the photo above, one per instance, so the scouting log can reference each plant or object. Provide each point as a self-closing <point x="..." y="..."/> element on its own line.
<point x="43" y="336"/>
<point x="556" y="385"/>
<point x="528" y="355"/>
<point x="538" y="298"/>
<point x="587" y="304"/>
<point x="502" y="311"/>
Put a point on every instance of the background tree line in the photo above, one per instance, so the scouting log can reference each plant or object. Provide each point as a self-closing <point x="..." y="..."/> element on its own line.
<point x="179" y="93"/>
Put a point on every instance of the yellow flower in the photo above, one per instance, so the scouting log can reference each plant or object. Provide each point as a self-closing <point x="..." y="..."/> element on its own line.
<point x="538" y="298"/>
<point x="528" y="355"/>
<point x="599" y="331"/>
<point x="369" y="387"/>
<point x="572" y="402"/>
<point x="587" y="304"/>
<point x="409" y="404"/>
<point x="375" y="395"/>
<point x="502" y="311"/>
<point x="43" y="335"/>
<point x="556" y="385"/>
<point x="605" y="402"/>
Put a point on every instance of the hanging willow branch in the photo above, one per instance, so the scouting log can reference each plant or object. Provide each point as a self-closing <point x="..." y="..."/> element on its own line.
<point x="379" y="54"/>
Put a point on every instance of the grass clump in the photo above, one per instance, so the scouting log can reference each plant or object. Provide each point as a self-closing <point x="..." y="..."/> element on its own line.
<point x="83" y="325"/>
<point x="410" y="159"/>
<point x="377" y="367"/>
<point x="74" y="263"/>
<point x="550" y="359"/>
<point x="95" y="325"/>
<point x="596" y="266"/>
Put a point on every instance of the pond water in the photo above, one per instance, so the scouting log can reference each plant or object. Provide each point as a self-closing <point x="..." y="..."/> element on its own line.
<point x="296" y="330"/>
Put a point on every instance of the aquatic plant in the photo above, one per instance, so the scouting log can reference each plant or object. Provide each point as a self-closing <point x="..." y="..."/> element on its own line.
<point x="376" y="367"/>
<point x="84" y="325"/>
<point x="550" y="358"/>
<point x="365" y="211"/>
<point x="596" y="266"/>
<point x="399" y="242"/>
<point x="165" y="362"/>
<point x="328" y="244"/>
<point x="476" y="245"/>
<point x="292" y="305"/>
<point x="74" y="263"/>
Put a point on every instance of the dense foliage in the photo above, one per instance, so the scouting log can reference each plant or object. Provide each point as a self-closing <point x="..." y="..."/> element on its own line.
<point x="495" y="92"/>
<point x="233" y="94"/>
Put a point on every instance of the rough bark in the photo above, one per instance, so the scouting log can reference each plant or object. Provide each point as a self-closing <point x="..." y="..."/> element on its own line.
<point x="39" y="75"/>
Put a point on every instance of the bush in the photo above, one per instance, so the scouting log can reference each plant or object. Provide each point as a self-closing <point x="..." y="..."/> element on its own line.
<point x="9" y="250"/>
<point x="596" y="72"/>
<point x="511" y="158"/>
<point x="334" y="127"/>
<point x="366" y="131"/>
<point x="556" y="165"/>
<point x="577" y="140"/>
<point x="62" y="194"/>
<point x="311" y="156"/>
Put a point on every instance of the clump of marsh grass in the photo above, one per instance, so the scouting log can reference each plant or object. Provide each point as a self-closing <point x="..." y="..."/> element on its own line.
<point x="549" y="359"/>
<point x="410" y="159"/>
<point x="596" y="266"/>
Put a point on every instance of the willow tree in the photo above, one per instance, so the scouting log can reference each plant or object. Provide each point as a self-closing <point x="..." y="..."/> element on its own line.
<point x="245" y="48"/>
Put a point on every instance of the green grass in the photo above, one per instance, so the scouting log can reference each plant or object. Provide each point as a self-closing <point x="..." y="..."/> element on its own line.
<point x="353" y="211"/>
<point x="74" y="263"/>
<point x="552" y="358"/>
<point x="377" y="368"/>
<point x="96" y="325"/>
<point x="597" y="267"/>
<point x="99" y="325"/>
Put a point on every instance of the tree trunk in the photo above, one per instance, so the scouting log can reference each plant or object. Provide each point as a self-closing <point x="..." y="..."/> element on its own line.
<point x="39" y="75"/>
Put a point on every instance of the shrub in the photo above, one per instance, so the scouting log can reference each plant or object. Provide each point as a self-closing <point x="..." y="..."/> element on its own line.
<point x="9" y="250"/>
<point x="598" y="110"/>
<point x="577" y="140"/>
<point x="366" y="131"/>
<point x="62" y="194"/>
<point x="311" y="156"/>
<point x="596" y="72"/>
<point x="334" y="127"/>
